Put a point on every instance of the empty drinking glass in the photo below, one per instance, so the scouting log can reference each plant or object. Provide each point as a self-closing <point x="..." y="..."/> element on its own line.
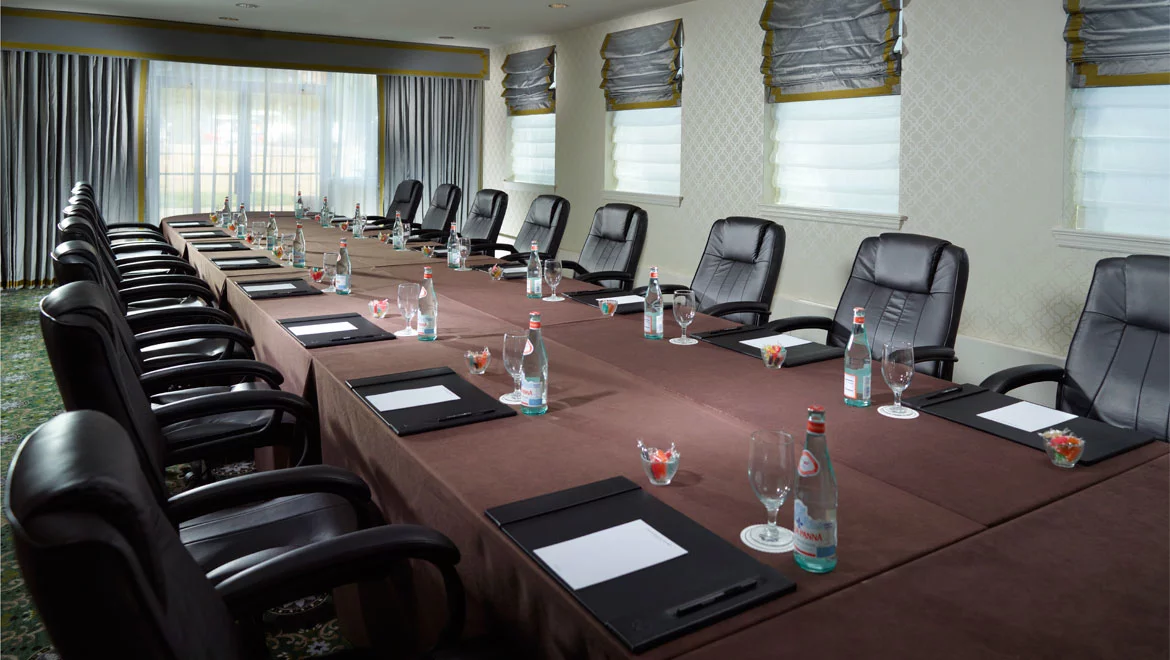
<point x="408" y="305"/>
<point x="329" y="263"/>
<point x="259" y="231"/>
<point x="772" y="472"/>
<point x="464" y="251"/>
<point x="897" y="370"/>
<point x="552" y="275"/>
<point x="684" y="313"/>
<point x="514" y="344"/>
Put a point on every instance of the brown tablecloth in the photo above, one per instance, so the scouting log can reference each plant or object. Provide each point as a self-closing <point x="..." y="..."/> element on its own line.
<point x="909" y="490"/>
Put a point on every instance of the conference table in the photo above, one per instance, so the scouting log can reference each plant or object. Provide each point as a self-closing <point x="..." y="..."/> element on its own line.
<point x="953" y="542"/>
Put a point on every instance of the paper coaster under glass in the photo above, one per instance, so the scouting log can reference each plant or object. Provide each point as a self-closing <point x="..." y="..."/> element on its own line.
<point x="751" y="534"/>
<point x="897" y="412"/>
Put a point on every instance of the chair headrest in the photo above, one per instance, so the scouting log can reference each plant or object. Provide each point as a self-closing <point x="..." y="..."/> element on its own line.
<point x="740" y="239"/>
<point x="1135" y="289"/>
<point x="543" y="210"/>
<point x="81" y="297"/>
<point x="907" y="262"/>
<point x="485" y="202"/>
<point x="612" y="221"/>
<point x="407" y="190"/>
<point x="444" y="197"/>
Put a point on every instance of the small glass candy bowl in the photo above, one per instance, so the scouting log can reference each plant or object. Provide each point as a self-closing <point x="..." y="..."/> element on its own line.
<point x="608" y="306"/>
<point x="316" y="272"/>
<point x="478" y="361"/>
<point x="383" y="237"/>
<point x="380" y="308"/>
<point x="428" y="250"/>
<point x="659" y="465"/>
<point x="344" y="226"/>
<point x="497" y="272"/>
<point x="1064" y="449"/>
<point x="773" y="355"/>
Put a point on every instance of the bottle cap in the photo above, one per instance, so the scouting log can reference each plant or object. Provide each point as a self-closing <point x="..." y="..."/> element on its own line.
<point x="300" y="226"/>
<point x="858" y="315"/>
<point x="427" y="272"/>
<point x="452" y="225"/>
<point x="343" y="242"/>
<point x="816" y="419"/>
<point x="654" y="272"/>
<point x="533" y="320"/>
<point x="535" y="248"/>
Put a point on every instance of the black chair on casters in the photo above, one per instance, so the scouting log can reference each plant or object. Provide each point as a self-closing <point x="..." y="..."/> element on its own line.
<point x="485" y="217"/>
<point x="736" y="277"/>
<point x="436" y="222"/>
<point x="544" y="224"/>
<point x="610" y="255"/>
<point x="1118" y="365"/>
<point x="407" y="197"/>
<point x="912" y="287"/>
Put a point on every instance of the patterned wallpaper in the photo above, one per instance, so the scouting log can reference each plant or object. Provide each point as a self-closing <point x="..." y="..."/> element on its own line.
<point x="983" y="143"/>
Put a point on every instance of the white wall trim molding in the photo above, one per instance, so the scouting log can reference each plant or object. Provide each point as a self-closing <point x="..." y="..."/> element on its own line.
<point x="641" y="198"/>
<point x="784" y="212"/>
<point x="1092" y="240"/>
<point x="520" y="186"/>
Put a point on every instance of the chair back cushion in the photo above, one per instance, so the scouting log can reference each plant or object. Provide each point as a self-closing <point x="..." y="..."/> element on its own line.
<point x="544" y="224"/>
<point x="615" y="240"/>
<point x="79" y="261"/>
<point x="105" y="567"/>
<point x="739" y="264"/>
<point x="912" y="288"/>
<point x="407" y="197"/>
<point x="444" y="206"/>
<point x="1118" y="365"/>
<point x="486" y="215"/>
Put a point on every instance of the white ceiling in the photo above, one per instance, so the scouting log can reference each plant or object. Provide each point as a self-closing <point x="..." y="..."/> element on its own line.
<point x="395" y="20"/>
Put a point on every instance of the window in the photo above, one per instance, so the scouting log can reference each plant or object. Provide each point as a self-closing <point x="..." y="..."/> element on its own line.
<point x="839" y="154"/>
<point x="258" y="136"/>
<point x="1121" y="159"/>
<point x="532" y="143"/>
<point x="646" y="151"/>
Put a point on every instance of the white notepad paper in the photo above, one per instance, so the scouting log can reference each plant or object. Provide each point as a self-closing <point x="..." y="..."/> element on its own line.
<point x="321" y="328"/>
<point x="194" y="223"/>
<point x="214" y="246"/>
<point x="623" y="300"/>
<point x="197" y="234"/>
<point x="422" y="396"/>
<point x="787" y="341"/>
<point x="236" y="262"/>
<point x="516" y="270"/>
<point x="608" y="554"/>
<point x="1027" y="416"/>
<point x="284" y="286"/>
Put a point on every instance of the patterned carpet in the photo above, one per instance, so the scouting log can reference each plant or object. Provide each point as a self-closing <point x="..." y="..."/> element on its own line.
<point x="28" y="397"/>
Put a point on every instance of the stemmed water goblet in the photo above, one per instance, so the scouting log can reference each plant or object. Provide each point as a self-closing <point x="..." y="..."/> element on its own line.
<point x="897" y="370"/>
<point x="408" y="306"/>
<point x="464" y="246"/>
<point x="514" y="344"/>
<point x="552" y="276"/>
<point x="329" y="263"/>
<point x="772" y="473"/>
<point x="684" y="312"/>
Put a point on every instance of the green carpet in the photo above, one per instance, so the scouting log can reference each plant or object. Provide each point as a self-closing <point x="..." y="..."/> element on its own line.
<point x="28" y="397"/>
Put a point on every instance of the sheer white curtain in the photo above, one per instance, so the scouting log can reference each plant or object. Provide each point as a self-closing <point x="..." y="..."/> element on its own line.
<point x="1121" y="159"/>
<point x="258" y="136"/>
<point x="838" y="154"/>
<point x="533" y="140"/>
<point x="647" y="150"/>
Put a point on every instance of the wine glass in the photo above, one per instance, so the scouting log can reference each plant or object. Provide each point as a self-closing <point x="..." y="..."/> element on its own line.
<point x="260" y="235"/>
<point x="329" y="263"/>
<point x="464" y="251"/>
<point x="684" y="313"/>
<point x="897" y="370"/>
<point x="514" y="344"/>
<point x="771" y="471"/>
<point x="552" y="275"/>
<point x="408" y="305"/>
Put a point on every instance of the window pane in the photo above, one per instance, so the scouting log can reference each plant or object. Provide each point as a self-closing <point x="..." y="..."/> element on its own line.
<point x="647" y="150"/>
<point x="533" y="144"/>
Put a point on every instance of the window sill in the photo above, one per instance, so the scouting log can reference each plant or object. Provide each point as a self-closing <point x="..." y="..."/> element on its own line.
<point x="880" y="220"/>
<point x="520" y="186"/>
<point x="641" y="198"/>
<point x="1124" y="243"/>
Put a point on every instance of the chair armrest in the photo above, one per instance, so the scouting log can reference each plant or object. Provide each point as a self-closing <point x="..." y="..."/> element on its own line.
<point x="492" y="248"/>
<point x="801" y="323"/>
<point x="134" y="225"/>
<point x="127" y="267"/>
<point x="260" y="486"/>
<point x="159" y="380"/>
<point x="139" y="246"/>
<point x="574" y="266"/>
<point x="163" y="278"/>
<point x="761" y="310"/>
<point x="304" y="435"/>
<point x="1009" y="379"/>
<point x="666" y="288"/>
<point x="602" y="275"/>
<point x="234" y="336"/>
<point x="169" y="317"/>
<point x="132" y="234"/>
<point x="934" y="354"/>
<point x="427" y="234"/>
<point x="363" y="556"/>
<point x="155" y="291"/>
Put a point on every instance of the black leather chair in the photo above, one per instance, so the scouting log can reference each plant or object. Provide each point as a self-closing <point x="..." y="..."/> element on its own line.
<point x="912" y="288"/>
<point x="485" y="216"/>
<point x="407" y="197"/>
<point x="436" y="222"/>
<point x="83" y="193"/>
<point x="75" y="260"/>
<point x="544" y="224"/>
<point x="161" y="261"/>
<point x="612" y="248"/>
<point x="736" y="277"/>
<point x="111" y="577"/>
<point x="129" y="251"/>
<point x="1118" y="365"/>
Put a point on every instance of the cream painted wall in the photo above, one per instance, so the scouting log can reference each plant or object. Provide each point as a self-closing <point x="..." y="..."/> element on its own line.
<point x="983" y="143"/>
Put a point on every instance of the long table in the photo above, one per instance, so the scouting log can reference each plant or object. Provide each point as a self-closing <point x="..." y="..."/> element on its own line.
<point x="917" y="498"/>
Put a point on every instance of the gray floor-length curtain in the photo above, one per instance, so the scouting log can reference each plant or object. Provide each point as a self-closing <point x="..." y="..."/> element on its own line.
<point x="65" y="118"/>
<point x="432" y="134"/>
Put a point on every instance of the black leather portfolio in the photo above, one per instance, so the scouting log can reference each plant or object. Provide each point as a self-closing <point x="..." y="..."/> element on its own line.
<point x="513" y="275"/>
<point x="204" y="233"/>
<point x="427" y="400"/>
<point x="794" y="356"/>
<point x="964" y="404"/>
<point x="218" y="246"/>
<point x="187" y="224"/>
<point x="628" y="307"/>
<point x="244" y="263"/>
<point x="334" y="330"/>
<point x="711" y="581"/>
<point x="278" y="288"/>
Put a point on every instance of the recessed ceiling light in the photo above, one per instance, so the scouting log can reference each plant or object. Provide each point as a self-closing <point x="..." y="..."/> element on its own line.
<point x="443" y="36"/>
<point x="481" y="27"/>
<point x="228" y="18"/>
<point x="247" y="5"/>
<point x="559" y="5"/>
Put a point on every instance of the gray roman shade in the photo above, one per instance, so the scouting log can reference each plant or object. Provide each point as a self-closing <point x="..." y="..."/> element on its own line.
<point x="831" y="49"/>
<point x="643" y="67"/>
<point x="529" y="82"/>
<point x="1113" y="43"/>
